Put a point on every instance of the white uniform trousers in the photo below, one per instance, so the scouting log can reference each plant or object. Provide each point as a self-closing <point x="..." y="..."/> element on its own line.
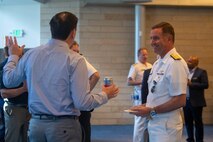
<point x="166" y="127"/>
<point x="140" y="133"/>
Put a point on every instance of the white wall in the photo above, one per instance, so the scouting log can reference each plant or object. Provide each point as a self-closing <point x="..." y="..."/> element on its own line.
<point x="26" y="17"/>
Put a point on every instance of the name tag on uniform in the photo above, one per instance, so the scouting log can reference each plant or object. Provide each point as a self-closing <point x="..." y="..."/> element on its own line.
<point x="160" y="73"/>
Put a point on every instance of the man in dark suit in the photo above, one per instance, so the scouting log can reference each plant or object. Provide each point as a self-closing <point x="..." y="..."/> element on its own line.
<point x="198" y="82"/>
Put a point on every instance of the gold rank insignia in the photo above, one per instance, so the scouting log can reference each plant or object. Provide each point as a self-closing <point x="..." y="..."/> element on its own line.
<point x="134" y="64"/>
<point x="175" y="56"/>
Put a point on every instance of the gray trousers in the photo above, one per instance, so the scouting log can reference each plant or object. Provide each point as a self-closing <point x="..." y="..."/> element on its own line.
<point x="59" y="130"/>
<point x="16" y="123"/>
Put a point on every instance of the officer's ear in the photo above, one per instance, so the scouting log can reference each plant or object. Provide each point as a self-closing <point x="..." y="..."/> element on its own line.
<point x="169" y="38"/>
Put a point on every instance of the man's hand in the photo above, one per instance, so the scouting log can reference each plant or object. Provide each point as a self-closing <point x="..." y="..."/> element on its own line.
<point x="14" y="48"/>
<point x="189" y="82"/>
<point x="141" y="110"/>
<point x="1" y="92"/>
<point x="24" y="87"/>
<point x="111" y="91"/>
<point x="11" y="93"/>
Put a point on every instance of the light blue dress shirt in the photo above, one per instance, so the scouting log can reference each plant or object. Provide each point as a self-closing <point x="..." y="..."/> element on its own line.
<point x="57" y="80"/>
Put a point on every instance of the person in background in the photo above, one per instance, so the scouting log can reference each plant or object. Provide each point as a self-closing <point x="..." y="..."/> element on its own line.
<point x="167" y="88"/>
<point x="2" y="123"/>
<point x="195" y="100"/>
<point x="144" y="86"/>
<point x="16" y="113"/>
<point x="134" y="79"/>
<point x="144" y="94"/>
<point x="57" y="81"/>
<point x="85" y="116"/>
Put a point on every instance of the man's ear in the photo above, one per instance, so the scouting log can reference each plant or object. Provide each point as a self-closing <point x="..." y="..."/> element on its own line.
<point x="170" y="38"/>
<point x="73" y="34"/>
<point x="71" y="37"/>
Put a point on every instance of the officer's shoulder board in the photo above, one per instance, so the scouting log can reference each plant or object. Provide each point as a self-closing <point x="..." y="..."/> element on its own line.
<point x="134" y="64"/>
<point x="175" y="56"/>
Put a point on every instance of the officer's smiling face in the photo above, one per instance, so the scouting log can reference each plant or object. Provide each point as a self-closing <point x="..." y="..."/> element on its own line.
<point x="158" y="41"/>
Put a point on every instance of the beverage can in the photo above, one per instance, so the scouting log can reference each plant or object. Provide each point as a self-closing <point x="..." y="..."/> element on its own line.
<point x="108" y="81"/>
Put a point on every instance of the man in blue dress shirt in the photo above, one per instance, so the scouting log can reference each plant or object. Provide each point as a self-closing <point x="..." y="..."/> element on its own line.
<point x="57" y="81"/>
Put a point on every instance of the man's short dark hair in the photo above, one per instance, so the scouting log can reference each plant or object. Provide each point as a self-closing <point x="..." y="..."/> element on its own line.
<point x="140" y="49"/>
<point x="167" y="28"/>
<point x="62" y="24"/>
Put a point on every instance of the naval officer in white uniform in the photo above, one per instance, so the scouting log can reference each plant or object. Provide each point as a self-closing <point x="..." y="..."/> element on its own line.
<point x="167" y="88"/>
<point x="135" y="77"/>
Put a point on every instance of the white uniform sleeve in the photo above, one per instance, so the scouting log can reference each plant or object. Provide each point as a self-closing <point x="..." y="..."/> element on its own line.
<point x="177" y="77"/>
<point x="132" y="72"/>
<point x="90" y="68"/>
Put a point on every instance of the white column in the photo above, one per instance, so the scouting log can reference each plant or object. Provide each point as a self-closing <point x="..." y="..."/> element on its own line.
<point x="139" y="28"/>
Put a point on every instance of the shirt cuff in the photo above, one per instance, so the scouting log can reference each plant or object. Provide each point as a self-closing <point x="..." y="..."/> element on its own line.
<point x="13" y="58"/>
<point x="105" y="97"/>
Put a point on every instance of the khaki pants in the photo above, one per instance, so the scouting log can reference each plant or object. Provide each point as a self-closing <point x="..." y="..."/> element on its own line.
<point x="16" y="123"/>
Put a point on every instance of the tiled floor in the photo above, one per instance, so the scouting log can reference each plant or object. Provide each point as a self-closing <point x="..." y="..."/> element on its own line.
<point x="123" y="133"/>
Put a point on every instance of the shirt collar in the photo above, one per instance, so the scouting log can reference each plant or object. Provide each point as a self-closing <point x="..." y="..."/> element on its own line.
<point x="167" y="56"/>
<point x="142" y="63"/>
<point x="59" y="43"/>
<point x="193" y="70"/>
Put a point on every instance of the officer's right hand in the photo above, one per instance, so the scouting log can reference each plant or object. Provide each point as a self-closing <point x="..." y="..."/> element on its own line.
<point x="111" y="91"/>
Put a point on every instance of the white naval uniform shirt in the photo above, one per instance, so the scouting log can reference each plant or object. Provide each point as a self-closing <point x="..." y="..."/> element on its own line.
<point x="90" y="68"/>
<point x="168" y="77"/>
<point x="136" y="73"/>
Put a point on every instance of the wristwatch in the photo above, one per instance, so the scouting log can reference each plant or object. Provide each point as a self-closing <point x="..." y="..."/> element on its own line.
<point x="152" y="112"/>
